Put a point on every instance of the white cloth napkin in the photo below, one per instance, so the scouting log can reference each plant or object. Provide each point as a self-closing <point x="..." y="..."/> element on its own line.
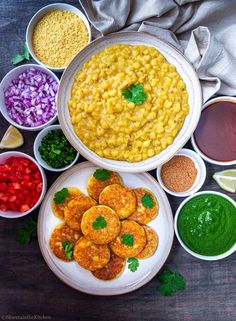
<point x="205" y="31"/>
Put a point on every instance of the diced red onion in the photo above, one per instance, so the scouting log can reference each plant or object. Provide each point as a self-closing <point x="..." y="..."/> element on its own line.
<point x="31" y="98"/>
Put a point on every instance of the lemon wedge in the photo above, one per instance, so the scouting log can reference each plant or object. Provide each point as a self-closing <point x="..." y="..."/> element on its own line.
<point x="12" y="138"/>
<point x="226" y="180"/>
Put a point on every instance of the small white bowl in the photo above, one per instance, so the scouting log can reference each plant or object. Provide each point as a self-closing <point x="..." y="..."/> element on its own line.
<point x="38" y="15"/>
<point x="13" y="214"/>
<point x="37" y="155"/>
<point x="195" y="147"/>
<point x="201" y="173"/>
<point x="13" y="74"/>
<point x="199" y="256"/>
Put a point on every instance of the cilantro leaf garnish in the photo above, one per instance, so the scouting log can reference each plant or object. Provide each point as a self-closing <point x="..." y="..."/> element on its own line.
<point x="133" y="264"/>
<point x="147" y="201"/>
<point x="24" y="55"/>
<point x="60" y="197"/>
<point x="102" y="174"/>
<point x="28" y="232"/>
<point x="170" y="282"/>
<point x="127" y="239"/>
<point x="99" y="223"/>
<point x="135" y="94"/>
<point x="68" y="248"/>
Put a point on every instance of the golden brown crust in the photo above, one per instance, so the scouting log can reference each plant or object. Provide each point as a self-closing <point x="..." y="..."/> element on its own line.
<point x="60" y="234"/>
<point x="103" y="235"/>
<point x="75" y="209"/>
<point x="95" y="186"/>
<point x="151" y="245"/>
<point x="139" y="237"/>
<point x="143" y="215"/>
<point x="58" y="209"/>
<point x="91" y="256"/>
<point x="120" y="198"/>
<point x="112" y="269"/>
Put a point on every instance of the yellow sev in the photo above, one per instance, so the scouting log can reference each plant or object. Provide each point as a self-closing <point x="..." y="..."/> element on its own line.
<point x="58" y="36"/>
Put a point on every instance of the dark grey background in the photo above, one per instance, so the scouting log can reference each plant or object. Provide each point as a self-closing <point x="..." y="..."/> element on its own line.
<point x="28" y="287"/>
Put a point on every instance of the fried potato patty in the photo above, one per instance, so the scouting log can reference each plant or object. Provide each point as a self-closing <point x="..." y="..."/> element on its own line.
<point x="75" y="209"/>
<point x="95" y="186"/>
<point x="120" y="198"/>
<point x="91" y="256"/>
<point x="151" y="245"/>
<point x="104" y="232"/>
<point x="112" y="269"/>
<point x="142" y="214"/>
<point x="60" y="234"/>
<point x="137" y="240"/>
<point x="58" y="209"/>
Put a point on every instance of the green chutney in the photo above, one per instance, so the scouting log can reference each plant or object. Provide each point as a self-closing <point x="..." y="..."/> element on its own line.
<point x="207" y="224"/>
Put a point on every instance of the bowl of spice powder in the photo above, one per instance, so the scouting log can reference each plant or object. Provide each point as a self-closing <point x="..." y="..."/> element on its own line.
<point x="182" y="175"/>
<point x="55" y="34"/>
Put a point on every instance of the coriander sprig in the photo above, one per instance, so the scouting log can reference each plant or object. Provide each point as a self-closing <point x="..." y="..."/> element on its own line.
<point x="147" y="201"/>
<point x="99" y="223"/>
<point x="28" y="232"/>
<point x="60" y="196"/>
<point x="23" y="55"/>
<point x="68" y="248"/>
<point x="133" y="264"/>
<point x="170" y="282"/>
<point x="101" y="174"/>
<point x="134" y="94"/>
<point x="127" y="239"/>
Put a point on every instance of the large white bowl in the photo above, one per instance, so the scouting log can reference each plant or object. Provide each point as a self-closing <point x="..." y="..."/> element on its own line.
<point x="199" y="256"/>
<point x="38" y="15"/>
<point x="14" y="214"/>
<point x="13" y="74"/>
<point x="176" y="58"/>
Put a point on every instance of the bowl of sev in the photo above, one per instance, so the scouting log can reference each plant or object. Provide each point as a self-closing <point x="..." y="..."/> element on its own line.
<point x="129" y="101"/>
<point x="55" y="34"/>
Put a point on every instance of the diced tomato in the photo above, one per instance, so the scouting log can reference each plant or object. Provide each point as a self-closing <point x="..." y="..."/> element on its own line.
<point x="20" y="184"/>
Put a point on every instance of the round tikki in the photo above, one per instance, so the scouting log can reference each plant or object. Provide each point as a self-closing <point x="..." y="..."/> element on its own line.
<point x="62" y="198"/>
<point x="151" y="245"/>
<point x="104" y="178"/>
<point x="100" y="224"/>
<point x="75" y="209"/>
<point x="130" y="241"/>
<point x="91" y="256"/>
<point x="147" y="207"/>
<point x="62" y="242"/>
<point x="120" y="198"/>
<point x="112" y="269"/>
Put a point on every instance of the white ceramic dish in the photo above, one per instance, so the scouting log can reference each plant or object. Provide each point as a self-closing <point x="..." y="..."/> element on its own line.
<point x="199" y="256"/>
<point x="37" y="155"/>
<point x="72" y="273"/>
<point x="13" y="214"/>
<point x="201" y="175"/>
<point x="38" y="15"/>
<point x="185" y="70"/>
<point x="13" y="74"/>
<point x="205" y="157"/>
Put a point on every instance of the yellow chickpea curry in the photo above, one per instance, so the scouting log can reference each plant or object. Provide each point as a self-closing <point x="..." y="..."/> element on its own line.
<point x="128" y="103"/>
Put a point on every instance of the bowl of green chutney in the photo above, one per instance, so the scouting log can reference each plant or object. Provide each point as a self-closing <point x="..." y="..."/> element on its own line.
<point x="205" y="225"/>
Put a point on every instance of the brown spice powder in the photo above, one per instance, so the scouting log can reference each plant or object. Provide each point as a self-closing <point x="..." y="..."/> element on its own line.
<point x="179" y="173"/>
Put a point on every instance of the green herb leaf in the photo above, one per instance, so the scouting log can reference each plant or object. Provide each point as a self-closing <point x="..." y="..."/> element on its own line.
<point x="99" y="223"/>
<point x="68" y="248"/>
<point x="133" y="264"/>
<point x="28" y="232"/>
<point x="170" y="282"/>
<point x="127" y="239"/>
<point x="147" y="201"/>
<point x="135" y="94"/>
<point x="24" y="55"/>
<point x="101" y="174"/>
<point x="60" y="197"/>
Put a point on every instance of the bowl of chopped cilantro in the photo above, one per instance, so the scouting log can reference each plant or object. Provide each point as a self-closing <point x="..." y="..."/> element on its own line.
<point x="53" y="151"/>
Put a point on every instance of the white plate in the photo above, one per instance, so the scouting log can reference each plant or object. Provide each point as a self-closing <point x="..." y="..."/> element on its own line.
<point x="72" y="273"/>
<point x="184" y="68"/>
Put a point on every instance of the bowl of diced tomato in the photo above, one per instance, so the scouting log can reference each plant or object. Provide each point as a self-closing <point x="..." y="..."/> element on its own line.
<point x="22" y="184"/>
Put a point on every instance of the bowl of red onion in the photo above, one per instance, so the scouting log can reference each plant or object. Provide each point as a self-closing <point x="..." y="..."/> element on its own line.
<point x="28" y="96"/>
<point x="23" y="184"/>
